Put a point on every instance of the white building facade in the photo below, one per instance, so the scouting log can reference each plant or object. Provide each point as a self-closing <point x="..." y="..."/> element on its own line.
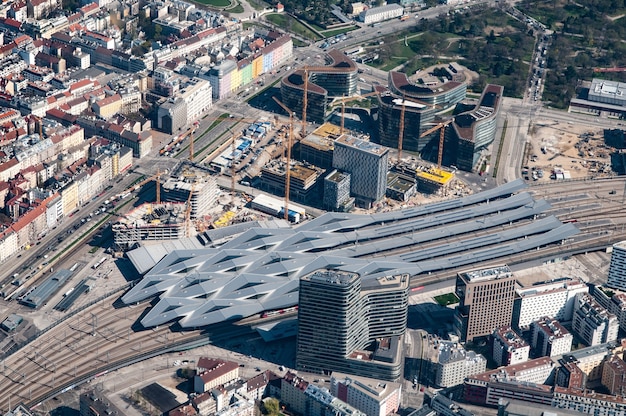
<point x="380" y="14"/>
<point x="554" y="299"/>
<point x="617" y="269"/>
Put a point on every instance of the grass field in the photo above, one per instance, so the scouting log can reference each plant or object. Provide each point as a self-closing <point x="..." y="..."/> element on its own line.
<point x="290" y="24"/>
<point x="238" y="8"/>
<point x="335" y="32"/>
<point x="216" y="3"/>
<point x="447" y="299"/>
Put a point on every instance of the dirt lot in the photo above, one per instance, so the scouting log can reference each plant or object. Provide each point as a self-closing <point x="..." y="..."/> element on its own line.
<point x="578" y="150"/>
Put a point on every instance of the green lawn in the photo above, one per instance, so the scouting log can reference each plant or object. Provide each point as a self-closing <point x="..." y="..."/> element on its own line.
<point x="290" y="24"/>
<point x="447" y="299"/>
<point x="335" y="32"/>
<point x="237" y="9"/>
<point x="216" y="3"/>
<point x="298" y="43"/>
<point x="258" y="4"/>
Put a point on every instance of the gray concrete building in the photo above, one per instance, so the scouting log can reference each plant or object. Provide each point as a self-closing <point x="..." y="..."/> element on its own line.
<point x="367" y="164"/>
<point x="363" y="323"/>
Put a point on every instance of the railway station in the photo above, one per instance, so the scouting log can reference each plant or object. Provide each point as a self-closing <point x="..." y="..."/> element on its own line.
<point x="259" y="269"/>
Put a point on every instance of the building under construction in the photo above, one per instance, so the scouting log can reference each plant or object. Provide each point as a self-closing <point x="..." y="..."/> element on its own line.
<point x="317" y="148"/>
<point x="304" y="183"/>
<point x="433" y="180"/>
<point x="164" y="221"/>
<point x="188" y="178"/>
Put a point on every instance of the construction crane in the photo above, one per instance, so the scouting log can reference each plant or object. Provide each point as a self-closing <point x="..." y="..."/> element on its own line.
<point x="177" y="140"/>
<point x="136" y="187"/>
<point x="158" y="186"/>
<point x="352" y="98"/>
<point x="232" y="163"/>
<point x="442" y="128"/>
<point x="195" y="126"/>
<point x="305" y="100"/>
<point x="288" y="161"/>
<point x="188" y="211"/>
<point x="306" y="70"/>
<point x="401" y="130"/>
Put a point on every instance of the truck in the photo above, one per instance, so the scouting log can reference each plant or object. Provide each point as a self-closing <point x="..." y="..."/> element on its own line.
<point x="404" y="17"/>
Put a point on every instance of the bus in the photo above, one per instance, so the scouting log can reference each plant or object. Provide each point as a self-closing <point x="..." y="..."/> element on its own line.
<point x="99" y="263"/>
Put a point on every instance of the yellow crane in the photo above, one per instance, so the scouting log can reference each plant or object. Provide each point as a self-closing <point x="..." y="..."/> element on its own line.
<point x="232" y="162"/>
<point x="442" y="128"/>
<point x="193" y="129"/>
<point x="287" y="165"/>
<point x="401" y="129"/>
<point x="188" y="211"/>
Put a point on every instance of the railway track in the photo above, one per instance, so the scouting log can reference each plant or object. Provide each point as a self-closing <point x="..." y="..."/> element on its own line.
<point x="100" y="337"/>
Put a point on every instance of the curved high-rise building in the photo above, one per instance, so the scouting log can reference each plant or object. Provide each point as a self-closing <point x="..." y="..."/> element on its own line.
<point x="422" y="102"/>
<point x="337" y="79"/>
<point x="350" y="324"/>
<point x="473" y="131"/>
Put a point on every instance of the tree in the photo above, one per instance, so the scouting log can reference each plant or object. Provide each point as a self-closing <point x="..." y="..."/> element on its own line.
<point x="271" y="407"/>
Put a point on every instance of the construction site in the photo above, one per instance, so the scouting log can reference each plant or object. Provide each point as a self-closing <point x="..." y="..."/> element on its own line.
<point x="558" y="150"/>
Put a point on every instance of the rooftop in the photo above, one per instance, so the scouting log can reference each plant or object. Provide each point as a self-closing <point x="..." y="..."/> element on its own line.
<point x="493" y="273"/>
<point x="362" y="145"/>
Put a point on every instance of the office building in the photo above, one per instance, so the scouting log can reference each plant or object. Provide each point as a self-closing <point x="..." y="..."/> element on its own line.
<point x="367" y="164"/>
<point x="486" y="301"/>
<point x="554" y="298"/>
<point x="508" y="347"/>
<point x="381" y="13"/>
<point x="449" y="363"/>
<point x="603" y="97"/>
<point x="473" y="131"/>
<point x="508" y="407"/>
<point x="593" y="323"/>
<point x="372" y="397"/>
<point x="617" y="269"/>
<point x="422" y="102"/>
<point x="337" y="192"/>
<point x="550" y="338"/>
<point x="364" y="321"/>
<point x="338" y="78"/>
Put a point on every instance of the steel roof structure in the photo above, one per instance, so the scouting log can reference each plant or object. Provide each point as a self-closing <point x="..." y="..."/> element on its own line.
<point x="260" y="268"/>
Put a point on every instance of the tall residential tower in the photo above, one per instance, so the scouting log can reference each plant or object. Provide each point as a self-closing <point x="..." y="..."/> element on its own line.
<point x="351" y="325"/>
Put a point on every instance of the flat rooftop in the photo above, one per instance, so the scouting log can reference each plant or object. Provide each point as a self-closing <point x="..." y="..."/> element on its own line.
<point x="493" y="273"/>
<point x="363" y="145"/>
<point x="438" y="176"/>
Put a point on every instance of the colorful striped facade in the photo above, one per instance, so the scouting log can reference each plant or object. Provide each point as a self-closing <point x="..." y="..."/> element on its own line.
<point x="230" y="75"/>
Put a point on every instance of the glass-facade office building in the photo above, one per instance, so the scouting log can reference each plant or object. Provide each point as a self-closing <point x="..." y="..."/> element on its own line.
<point x="337" y="79"/>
